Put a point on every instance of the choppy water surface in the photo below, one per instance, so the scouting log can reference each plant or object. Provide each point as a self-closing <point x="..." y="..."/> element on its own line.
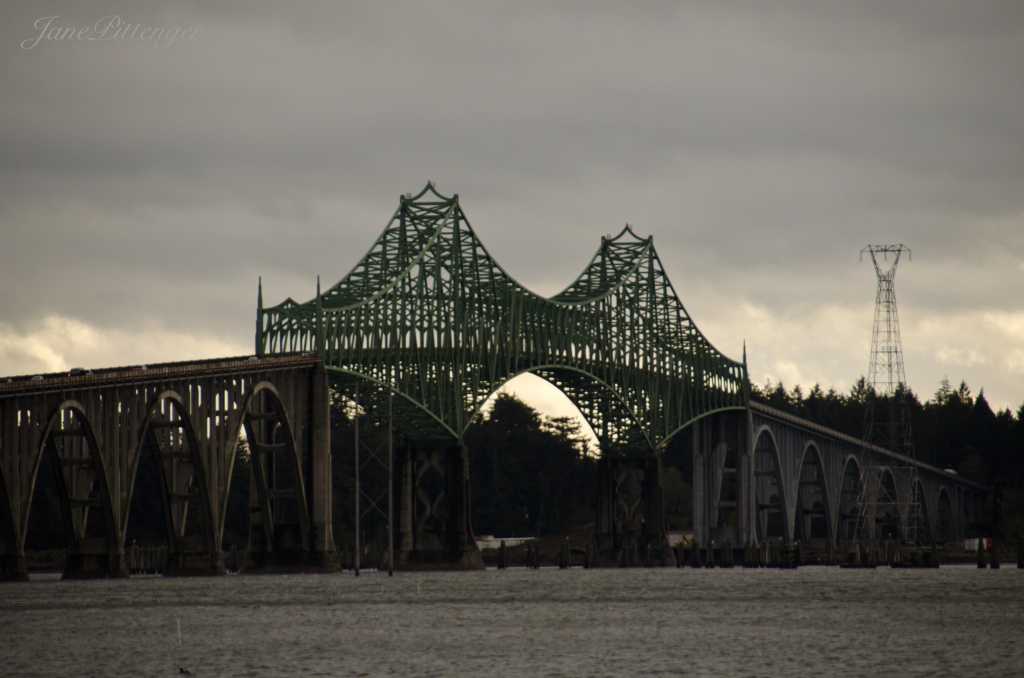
<point x="955" y="621"/>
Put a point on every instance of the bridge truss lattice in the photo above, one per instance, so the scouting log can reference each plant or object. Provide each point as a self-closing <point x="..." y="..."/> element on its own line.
<point x="428" y="315"/>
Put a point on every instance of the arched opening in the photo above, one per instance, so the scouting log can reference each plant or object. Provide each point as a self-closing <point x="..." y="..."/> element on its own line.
<point x="812" y="520"/>
<point x="728" y="499"/>
<point x="235" y="518"/>
<point x="848" y="513"/>
<point x="90" y="532"/>
<point x="768" y="494"/>
<point x="279" y="519"/>
<point x="170" y="506"/>
<point x="533" y="462"/>
<point x="45" y="539"/>
<point x="147" y="535"/>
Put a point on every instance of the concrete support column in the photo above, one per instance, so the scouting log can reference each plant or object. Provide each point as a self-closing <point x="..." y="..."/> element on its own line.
<point x="746" y="486"/>
<point x="12" y="553"/>
<point x="319" y="480"/>
<point x="630" y="528"/>
<point x="94" y="558"/>
<point x="434" y="528"/>
<point x="707" y="471"/>
<point x="717" y="438"/>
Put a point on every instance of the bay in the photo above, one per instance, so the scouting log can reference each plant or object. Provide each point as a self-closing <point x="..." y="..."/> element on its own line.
<point x="954" y="621"/>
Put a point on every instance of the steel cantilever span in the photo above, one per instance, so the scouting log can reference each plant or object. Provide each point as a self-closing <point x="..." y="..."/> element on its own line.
<point x="428" y="315"/>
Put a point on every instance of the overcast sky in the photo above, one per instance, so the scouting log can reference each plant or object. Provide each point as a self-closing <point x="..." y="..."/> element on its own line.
<point x="146" y="185"/>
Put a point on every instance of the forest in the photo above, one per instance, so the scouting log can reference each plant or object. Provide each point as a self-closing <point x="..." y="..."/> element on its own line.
<point x="953" y="430"/>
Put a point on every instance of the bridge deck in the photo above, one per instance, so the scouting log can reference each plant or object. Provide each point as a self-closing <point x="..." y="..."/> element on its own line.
<point x="800" y="423"/>
<point x="79" y="377"/>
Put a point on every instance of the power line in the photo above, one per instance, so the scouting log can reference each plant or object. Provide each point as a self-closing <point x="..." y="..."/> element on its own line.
<point x="979" y="298"/>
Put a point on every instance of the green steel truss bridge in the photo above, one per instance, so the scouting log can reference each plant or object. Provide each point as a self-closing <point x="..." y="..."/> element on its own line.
<point x="429" y="317"/>
<point x="427" y="327"/>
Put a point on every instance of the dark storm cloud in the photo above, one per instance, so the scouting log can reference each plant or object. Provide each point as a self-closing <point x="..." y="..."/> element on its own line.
<point x="762" y="144"/>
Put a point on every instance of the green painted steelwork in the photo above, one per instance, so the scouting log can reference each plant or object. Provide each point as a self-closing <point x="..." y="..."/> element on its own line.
<point x="430" y="314"/>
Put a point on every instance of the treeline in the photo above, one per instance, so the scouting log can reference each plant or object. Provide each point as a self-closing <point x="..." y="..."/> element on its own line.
<point x="954" y="429"/>
<point x="529" y="474"/>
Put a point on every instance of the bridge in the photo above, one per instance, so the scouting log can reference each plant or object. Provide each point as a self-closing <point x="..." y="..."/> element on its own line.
<point x="427" y="326"/>
<point x="762" y="475"/>
<point x="429" y="320"/>
<point x="96" y="428"/>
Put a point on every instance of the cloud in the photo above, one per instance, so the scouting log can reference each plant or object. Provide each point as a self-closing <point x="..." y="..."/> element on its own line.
<point x="959" y="356"/>
<point x="56" y="344"/>
<point x="143" y="192"/>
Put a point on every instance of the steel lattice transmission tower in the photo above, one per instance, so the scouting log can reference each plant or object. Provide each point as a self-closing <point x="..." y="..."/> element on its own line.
<point x="885" y="366"/>
<point x="887" y="419"/>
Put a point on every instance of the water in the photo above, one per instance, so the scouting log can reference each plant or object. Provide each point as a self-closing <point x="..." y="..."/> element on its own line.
<point x="955" y="621"/>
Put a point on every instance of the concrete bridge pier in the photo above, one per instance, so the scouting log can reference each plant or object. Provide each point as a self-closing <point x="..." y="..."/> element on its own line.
<point x="193" y="559"/>
<point x="91" y="558"/>
<point x="630" y="528"/>
<point x="12" y="553"/>
<point x="434" y="532"/>
<point x="12" y="566"/>
<point x="723" y="491"/>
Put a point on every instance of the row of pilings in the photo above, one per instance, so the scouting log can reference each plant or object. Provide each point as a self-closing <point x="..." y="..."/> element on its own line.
<point x="153" y="559"/>
<point x="781" y="555"/>
<point x="775" y="555"/>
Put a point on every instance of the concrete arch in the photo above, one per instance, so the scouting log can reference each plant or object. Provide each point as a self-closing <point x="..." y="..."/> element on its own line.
<point x="771" y="505"/>
<point x="168" y="434"/>
<point x="280" y="519"/>
<point x="97" y="426"/>
<point x="927" y="529"/>
<point x="70" y="443"/>
<point x="847" y="511"/>
<point x="813" y="523"/>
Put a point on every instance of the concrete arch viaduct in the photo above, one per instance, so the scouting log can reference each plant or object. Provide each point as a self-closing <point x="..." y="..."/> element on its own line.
<point x="428" y="326"/>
